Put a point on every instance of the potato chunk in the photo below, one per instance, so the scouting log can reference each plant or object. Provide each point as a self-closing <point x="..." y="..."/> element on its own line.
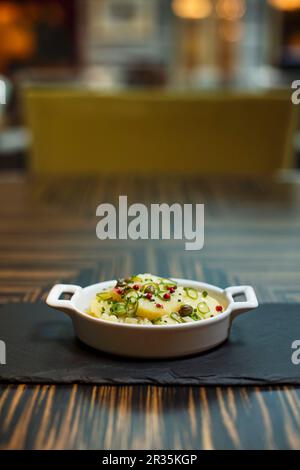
<point x="95" y="308"/>
<point x="147" y="309"/>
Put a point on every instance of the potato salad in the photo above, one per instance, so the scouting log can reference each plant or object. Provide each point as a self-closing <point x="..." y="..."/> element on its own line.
<point x="151" y="300"/>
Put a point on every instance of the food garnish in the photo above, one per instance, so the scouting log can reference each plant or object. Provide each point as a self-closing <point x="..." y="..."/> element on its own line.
<point x="152" y="300"/>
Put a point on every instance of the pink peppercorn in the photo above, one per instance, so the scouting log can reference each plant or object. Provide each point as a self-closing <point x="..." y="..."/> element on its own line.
<point x="149" y="296"/>
<point x="118" y="290"/>
<point x="219" y="308"/>
<point x="136" y="287"/>
<point x="167" y="296"/>
<point x="159" y="306"/>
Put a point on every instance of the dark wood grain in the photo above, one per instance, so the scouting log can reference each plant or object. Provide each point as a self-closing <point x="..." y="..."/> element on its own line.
<point x="77" y="417"/>
<point x="47" y="235"/>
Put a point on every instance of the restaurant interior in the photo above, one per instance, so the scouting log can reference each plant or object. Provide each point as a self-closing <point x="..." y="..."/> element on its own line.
<point x="198" y="57"/>
<point x="187" y="101"/>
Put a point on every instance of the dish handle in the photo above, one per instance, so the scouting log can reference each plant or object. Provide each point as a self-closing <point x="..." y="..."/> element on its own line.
<point x="249" y="303"/>
<point x="53" y="299"/>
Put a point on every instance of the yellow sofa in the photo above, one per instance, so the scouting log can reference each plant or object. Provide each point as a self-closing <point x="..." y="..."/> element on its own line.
<point x="84" y="131"/>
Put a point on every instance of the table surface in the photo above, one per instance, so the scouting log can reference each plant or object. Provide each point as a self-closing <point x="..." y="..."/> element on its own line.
<point x="47" y="235"/>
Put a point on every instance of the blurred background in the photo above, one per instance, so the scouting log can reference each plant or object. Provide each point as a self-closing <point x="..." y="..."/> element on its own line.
<point x="62" y="57"/>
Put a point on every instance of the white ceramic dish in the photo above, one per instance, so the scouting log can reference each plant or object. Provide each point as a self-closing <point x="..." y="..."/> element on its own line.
<point x="151" y="341"/>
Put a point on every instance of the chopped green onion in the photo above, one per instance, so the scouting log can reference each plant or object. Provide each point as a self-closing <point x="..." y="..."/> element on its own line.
<point x="176" y="317"/>
<point x="204" y="294"/>
<point x="169" y="282"/>
<point x="165" y="283"/>
<point x="132" y="301"/>
<point x="191" y="293"/>
<point x="203" y="307"/>
<point x="119" y="309"/>
<point x="132" y="296"/>
<point x="150" y="287"/>
<point x="132" y="307"/>
<point x="194" y="316"/>
<point x="136" y="279"/>
<point x="105" y="295"/>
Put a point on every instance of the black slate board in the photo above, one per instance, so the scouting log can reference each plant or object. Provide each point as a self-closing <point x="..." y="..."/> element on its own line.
<point x="41" y="348"/>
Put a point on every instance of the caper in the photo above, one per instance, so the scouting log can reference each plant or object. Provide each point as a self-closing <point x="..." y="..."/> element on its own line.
<point x="185" y="310"/>
<point x="149" y="289"/>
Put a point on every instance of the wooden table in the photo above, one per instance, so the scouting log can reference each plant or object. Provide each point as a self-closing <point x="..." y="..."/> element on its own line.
<point x="47" y="235"/>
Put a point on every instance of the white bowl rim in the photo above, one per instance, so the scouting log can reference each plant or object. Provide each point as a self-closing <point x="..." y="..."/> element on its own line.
<point x="218" y="318"/>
